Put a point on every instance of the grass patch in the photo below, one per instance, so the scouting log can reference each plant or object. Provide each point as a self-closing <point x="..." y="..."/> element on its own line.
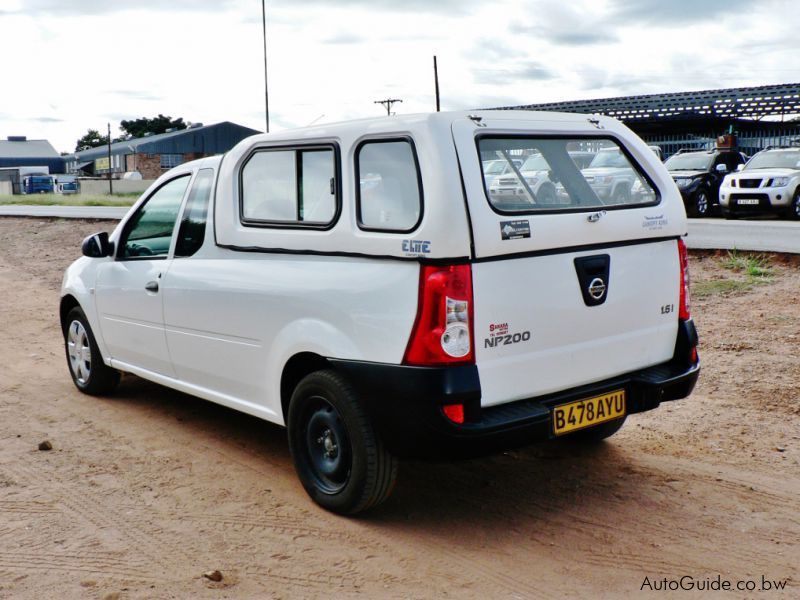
<point x="704" y="289"/>
<point x="749" y="270"/>
<point x="753" y="265"/>
<point x="71" y="200"/>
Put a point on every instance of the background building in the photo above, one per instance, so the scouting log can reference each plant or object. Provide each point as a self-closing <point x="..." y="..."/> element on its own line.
<point x="19" y="151"/>
<point x="759" y="116"/>
<point x="152" y="155"/>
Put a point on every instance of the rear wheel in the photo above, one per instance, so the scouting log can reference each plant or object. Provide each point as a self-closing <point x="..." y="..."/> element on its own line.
<point x="599" y="432"/>
<point x="337" y="453"/>
<point x="89" y="373"/>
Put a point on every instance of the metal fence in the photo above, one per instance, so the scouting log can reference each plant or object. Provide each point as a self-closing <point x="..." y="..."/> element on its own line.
<point x="750" y="142"/>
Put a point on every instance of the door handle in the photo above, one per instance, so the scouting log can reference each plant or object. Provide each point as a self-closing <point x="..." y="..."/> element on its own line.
<point x="151" y="286"/>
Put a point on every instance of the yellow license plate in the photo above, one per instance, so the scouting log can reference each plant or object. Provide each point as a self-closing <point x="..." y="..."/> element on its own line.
<point x="589" y="411"/>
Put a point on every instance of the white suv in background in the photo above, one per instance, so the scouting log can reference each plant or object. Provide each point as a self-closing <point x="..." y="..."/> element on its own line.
<point x="769" y="182"/>
<point x="355" y="283"/>
<point x="611" y="175"/>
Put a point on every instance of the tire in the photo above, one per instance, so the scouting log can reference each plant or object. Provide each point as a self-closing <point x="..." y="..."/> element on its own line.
<point x="793" y="212"/>
<point x="89" y="373"/>
<point x="593" y="435"/>
<point x="701" y="204"/>
<point x="338" y="455"/>
<point x="622" y="194"/>
<point x="547" y="195"/>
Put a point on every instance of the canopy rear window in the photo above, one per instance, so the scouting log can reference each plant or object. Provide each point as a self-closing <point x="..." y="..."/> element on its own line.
<point x="554" y="176"/>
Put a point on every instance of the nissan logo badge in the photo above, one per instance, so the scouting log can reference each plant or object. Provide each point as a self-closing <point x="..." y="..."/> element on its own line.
<point x="597" y="288"/>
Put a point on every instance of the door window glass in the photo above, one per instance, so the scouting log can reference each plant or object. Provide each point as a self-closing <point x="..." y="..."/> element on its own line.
<point x="192" y="231"/>
<point x="149" y="232"/>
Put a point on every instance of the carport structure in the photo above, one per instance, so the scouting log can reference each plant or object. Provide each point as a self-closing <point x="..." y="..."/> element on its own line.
<point x="761" y="116"/>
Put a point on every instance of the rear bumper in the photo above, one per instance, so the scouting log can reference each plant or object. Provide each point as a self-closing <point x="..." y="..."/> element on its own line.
<point x="406" y="403"/>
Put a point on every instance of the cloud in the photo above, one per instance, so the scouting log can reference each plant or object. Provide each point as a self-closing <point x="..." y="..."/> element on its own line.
<point x="565" y="25"/>
<point x="448" y="7"/>
<point x="92" y="7"/>
<point x="344" y="38"/>
<point x="524" y="71"/>
<point x="47" y="119"/>
<point x="137" y="95"/>
<point x="677" y="12"/>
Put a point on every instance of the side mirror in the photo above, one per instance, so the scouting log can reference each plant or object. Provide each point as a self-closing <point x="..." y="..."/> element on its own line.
<point x="97" y="246"/>
<point x="740" y="167"/>
<point x="721" y="168"/>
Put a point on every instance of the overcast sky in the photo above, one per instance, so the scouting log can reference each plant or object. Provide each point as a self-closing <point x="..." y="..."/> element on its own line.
<point x="69" y="65"/>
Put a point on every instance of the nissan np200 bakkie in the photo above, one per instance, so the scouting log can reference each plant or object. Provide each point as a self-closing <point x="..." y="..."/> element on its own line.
<point x="358" y="283"/>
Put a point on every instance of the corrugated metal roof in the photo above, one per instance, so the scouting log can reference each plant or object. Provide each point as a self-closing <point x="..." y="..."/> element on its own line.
<point x="27" y="149"/>
<point x="209" y="139"/>
<point x="749" y="102"/>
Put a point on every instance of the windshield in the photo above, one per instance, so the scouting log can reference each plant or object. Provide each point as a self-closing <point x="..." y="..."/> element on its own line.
<point x="609" y="158"/>
<point x="536" y="162"/>
<point x="779" y="159"/>
<point x="691" y="161"/>
<point x="552" y="181"/>
<point x="494" y="167"/>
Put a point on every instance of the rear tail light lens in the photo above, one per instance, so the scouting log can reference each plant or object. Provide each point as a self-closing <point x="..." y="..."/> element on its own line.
<point x="443" y="331"/>
<point x="454" y="412"/>
<point x="683" y="256"/>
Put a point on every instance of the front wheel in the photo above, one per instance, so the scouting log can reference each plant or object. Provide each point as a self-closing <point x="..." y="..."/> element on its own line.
<point x="793" y="212"/>
<point x="89" y="373"/>
<point x="338" y="455"/>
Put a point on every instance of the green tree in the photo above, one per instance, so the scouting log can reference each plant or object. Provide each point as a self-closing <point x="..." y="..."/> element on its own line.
<point x="138" y="127"/>
<point x="92" y="139"/>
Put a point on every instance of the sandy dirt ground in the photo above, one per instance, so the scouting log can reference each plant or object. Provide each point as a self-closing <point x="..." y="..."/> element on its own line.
<point x="145" y="491"/>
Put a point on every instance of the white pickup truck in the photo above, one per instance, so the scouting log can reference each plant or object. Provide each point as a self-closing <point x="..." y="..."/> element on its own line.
<point x="356" y="283"/>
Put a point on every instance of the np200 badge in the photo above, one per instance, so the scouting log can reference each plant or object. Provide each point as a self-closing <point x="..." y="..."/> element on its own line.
<point x="505" y="340"/>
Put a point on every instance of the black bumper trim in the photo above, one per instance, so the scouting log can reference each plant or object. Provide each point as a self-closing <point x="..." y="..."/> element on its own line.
<point x="406" y="402"/>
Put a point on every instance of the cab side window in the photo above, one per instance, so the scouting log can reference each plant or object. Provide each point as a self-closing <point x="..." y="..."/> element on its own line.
<point x="148" y="234"/>
<point x="389" y="193"/>
<point x="192" y="231"/>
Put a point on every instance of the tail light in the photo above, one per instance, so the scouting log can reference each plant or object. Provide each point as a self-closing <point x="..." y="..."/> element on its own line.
<point x="443" y="330"/>
<point x="683" y="256"/>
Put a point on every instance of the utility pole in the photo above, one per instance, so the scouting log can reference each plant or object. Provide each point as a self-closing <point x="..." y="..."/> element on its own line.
<point x="110" y="188"/>
<point x="266" y="88"/>
<point x="387" y="104"/>
<point x="436" y="81"/>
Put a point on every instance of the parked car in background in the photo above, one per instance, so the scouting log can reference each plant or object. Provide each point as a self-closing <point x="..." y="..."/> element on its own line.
<point x="699" y="174"/>
<point x="610" y="175"/>
<point x="492" y="169"/>
<point x="381" y="306"/>
<point x="537" y="187"/>
<point x="768" y="183"/>
<point x="657" y="151"/>
<point x="38" y="184"/>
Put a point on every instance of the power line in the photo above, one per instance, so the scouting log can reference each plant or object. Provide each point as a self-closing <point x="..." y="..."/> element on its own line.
<point x="387" y="104"/>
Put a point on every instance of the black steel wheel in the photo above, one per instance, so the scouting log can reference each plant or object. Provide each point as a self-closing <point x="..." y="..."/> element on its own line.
<point x="337" y="453"/>
<point x="89" y="373"/>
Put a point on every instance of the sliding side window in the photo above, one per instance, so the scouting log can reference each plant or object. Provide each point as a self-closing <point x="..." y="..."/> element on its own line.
<point x="290" y="187"/>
